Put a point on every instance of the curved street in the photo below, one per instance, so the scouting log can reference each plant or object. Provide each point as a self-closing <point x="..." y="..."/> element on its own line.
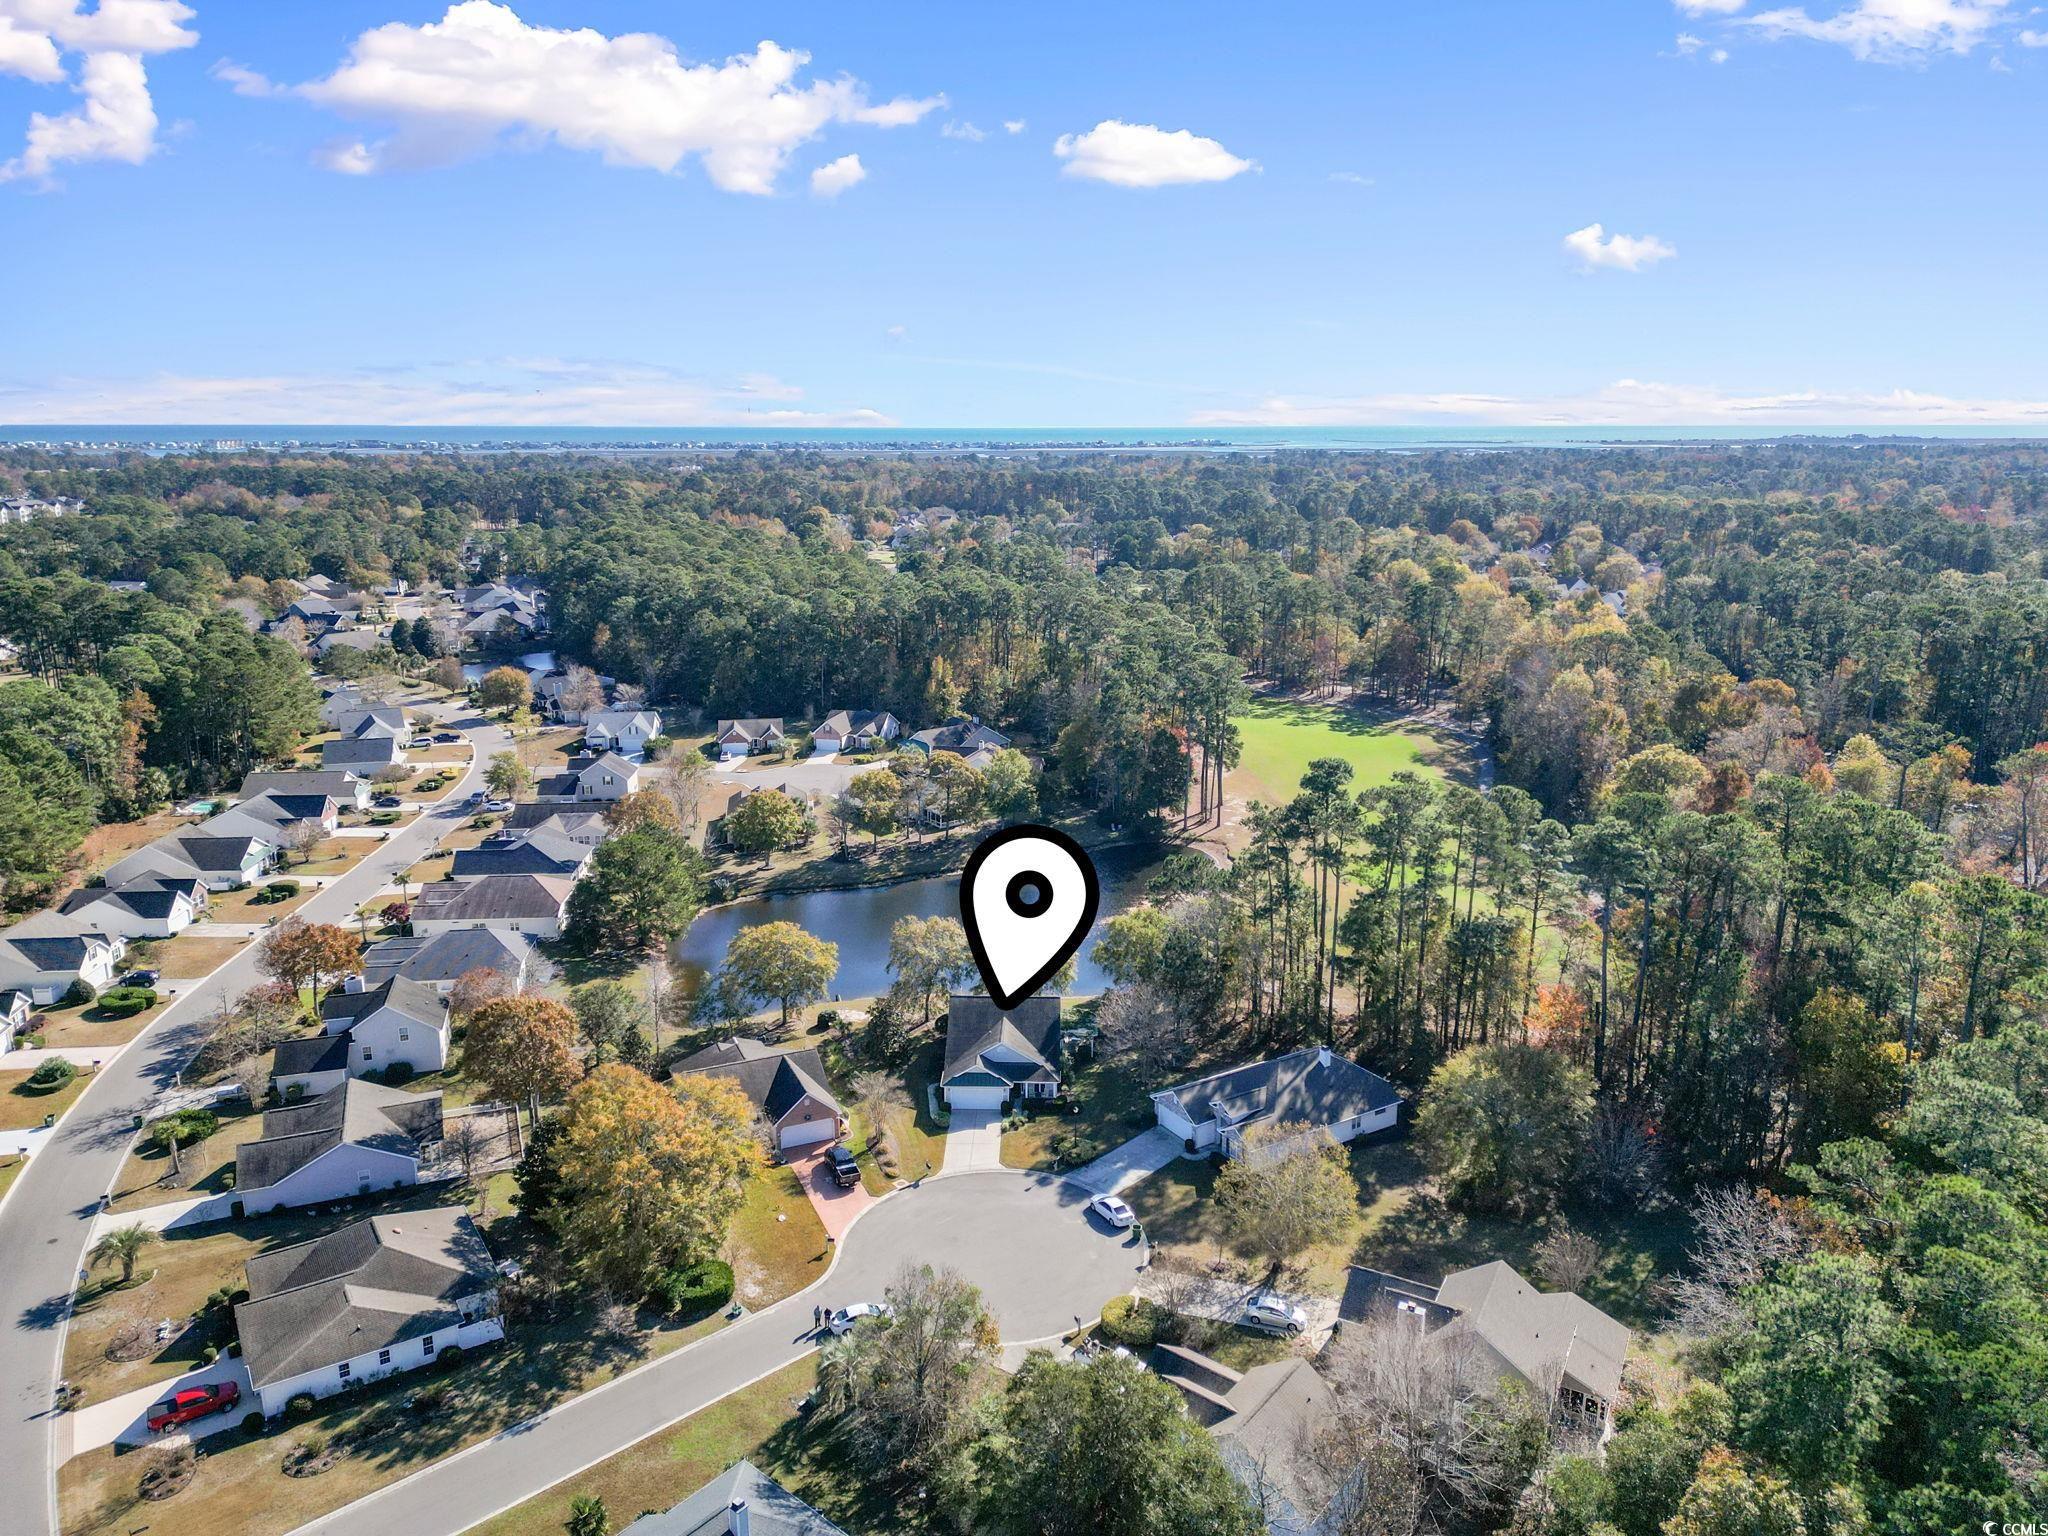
<point x="47" y="1217"/>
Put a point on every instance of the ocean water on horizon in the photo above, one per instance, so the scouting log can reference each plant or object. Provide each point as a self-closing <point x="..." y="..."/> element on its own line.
<point x="1407" y="439"/>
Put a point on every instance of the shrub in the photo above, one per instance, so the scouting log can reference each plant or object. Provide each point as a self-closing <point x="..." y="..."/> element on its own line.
<point x="448" y="1358"/>
<point x="187" y="1125"/>
<point x="209" y="1354"/>
<point x="299" y="1405"/>
<point x="51" y="1075"/>
<point x="122" y="1001"/>
<point x="695" y="1287"/>
<point x="398" y="1074"/>
<point x="1132" y="1321"/>
<point x="275" y="891"/>
<point x="78" y="994"/>
<point x="252" y="1423"/>
<point x="383" y="818"/>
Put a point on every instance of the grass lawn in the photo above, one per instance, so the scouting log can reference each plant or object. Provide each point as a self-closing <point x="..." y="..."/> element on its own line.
<point x="1115" y="1106"/>
<point x="549" y="751"/>
<point x="243" y="907"/>
<point x="10" y="1170"/>
<point x="206" y="1164"/>
<point x="90" y="1025"/>
<point x="113" y="842"/>
<point x="186" y="957"/>
<point x="329" y="856"/>
<point x="1402" y="1227"/>
<point x="777" y="1243"/>
<point x="1281" y="738"/>
<point x="21" y="1108"/>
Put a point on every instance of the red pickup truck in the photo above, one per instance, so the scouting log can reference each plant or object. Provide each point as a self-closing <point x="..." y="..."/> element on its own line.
<point x="193" y="1403"/>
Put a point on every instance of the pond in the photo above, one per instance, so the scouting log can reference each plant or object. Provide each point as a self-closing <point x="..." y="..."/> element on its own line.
<point x="858" y="921"/>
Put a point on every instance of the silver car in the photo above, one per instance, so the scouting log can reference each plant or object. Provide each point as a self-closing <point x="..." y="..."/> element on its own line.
<point x="1270" y="1312"/>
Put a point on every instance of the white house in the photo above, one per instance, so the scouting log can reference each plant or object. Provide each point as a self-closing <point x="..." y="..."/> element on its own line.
<point x="530" y="904"/>
<point x="1312" y="1087"/>
<point x="992" y="1056"/>
<point x="350" y="1141"/>
<point x="153" y="907"/>
<point x="384" y="1295"/>
<point x="624" y="731"/>
<point x="16" y="1009"/>
<point x="592" y="781"/>
<point x="787" y="1087"/>
<point x="397" y="1022"/>
<point x="741" y="738"/>
<point x="579" y="824"/>
<point x="44" y="955"/>
<point x="342" y="785"/>
<point x="221" y="862"/>
<point x="855" y="730"/>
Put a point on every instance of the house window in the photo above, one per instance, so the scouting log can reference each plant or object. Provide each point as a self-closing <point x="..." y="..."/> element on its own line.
<point x="342" y="1370"/>
<point x="366" y="1053"/>
<point x="383" y="1357"/>
<point x="427" y="1345"/>
<point x="405" y="1034"/>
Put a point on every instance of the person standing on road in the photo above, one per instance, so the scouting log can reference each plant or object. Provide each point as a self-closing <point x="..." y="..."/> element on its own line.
<point x="817" y="1319"/>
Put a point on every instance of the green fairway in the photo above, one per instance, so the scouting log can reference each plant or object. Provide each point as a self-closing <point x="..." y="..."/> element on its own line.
<point x="1282" y="738"/>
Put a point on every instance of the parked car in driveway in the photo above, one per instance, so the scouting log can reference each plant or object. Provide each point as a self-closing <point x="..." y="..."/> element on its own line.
<point x="847" y="1318"/>
<point x="143" y="978"/>
<point x="193" y="1403"/>
<point x="447" y="736"/>
<point x="388" y="803"/>
<point x="845" y="1171"/>
<point x="1270" y="1312"/>
<point x="1112" y="1210"/>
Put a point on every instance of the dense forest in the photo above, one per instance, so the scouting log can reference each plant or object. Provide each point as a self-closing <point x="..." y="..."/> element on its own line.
<point x="1761" y="866"/>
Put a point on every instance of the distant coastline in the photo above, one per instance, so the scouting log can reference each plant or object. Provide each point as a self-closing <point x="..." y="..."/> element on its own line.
<point x="173" y="439"/>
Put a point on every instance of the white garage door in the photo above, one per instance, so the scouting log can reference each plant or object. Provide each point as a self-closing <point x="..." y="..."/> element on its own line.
<point x="804" y="1133"/>
<point x="974" y="1098"/>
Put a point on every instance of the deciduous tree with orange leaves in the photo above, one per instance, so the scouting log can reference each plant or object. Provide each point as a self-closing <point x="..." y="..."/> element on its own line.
<point x="301" y="954"/>
<point x="648" y="1177"/>
<point x="521" y="1046"/>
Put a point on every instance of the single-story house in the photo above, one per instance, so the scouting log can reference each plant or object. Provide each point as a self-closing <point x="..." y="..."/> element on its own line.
<point x="364" y="754"/>
<point x="442" y="959"/>
<point x="374" y="720"/>
<point x="344" y="701"/>
<point x="277" y="810"/>
<point x="967" y="738"/>
<point x="378" y="1296"/>
<point x="530" y="904"/>
<point x="153" y="907"/>
<point x="1552" y="1341"/>
<point x="313" y="609"/>
<point x="1259" y="1419"/>
<point x="741" y="1501"/>
<point x="787" y="1087"/>
<point x="624" y="731"/>
<point x="855" y="730"/>
<point x="341" y="785"/>
<point x="44" y="955"/>
<point x="593" y="780"/>
<point x="366" y="1032"/>
<point x="538" y="853"/>
<point x="351" y="1140"/>
<point x="742" y="738"/>
<point x="578" y="824"/>
<point x="221" y="862"/>
<point x="992" y="1055"/>
<point x="490" y="596"/>
<point x="500" y="620"/>
<point x="352" y="638"/>
<point x="1312" y="1087"/>
<point x="16" y="1008"/>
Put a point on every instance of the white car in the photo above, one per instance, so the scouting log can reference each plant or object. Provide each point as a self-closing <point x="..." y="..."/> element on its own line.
<point x="844" y="1320"/>
<point x="1112" y="1210"/>
<point x="1270" y="1312"/>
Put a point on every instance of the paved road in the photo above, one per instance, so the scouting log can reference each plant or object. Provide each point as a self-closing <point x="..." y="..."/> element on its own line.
<point x="48" y="1214"/>
<point x="1043" y="1264"/>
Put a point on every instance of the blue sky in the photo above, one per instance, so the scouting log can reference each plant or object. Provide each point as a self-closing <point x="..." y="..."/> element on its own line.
<point x="401" y="211"/>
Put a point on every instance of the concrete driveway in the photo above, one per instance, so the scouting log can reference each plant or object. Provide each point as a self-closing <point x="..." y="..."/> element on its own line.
<point x="820" y="776"/>
<point x="1042" y="1263"/>
<point x="125" y="1418"/>
<point x="974" y="1141"/>
<point x="1223" y="1300"/>
<point x="1138" y="1158"/>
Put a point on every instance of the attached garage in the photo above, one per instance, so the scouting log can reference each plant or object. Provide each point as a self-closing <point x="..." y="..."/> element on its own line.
<point x="975" y="1095"/>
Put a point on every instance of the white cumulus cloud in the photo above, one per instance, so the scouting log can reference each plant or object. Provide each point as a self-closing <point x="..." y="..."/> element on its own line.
<point x="1140" y="155"/>
<point x="1637" y="403"/>
<point x="2032" y="39"/>
<point x="457" y="86"/>
<point x="1709" y="7"/>
<point x="1889" y="31"/>
<point x="835" y="176"/>
<point x="965" y="131"/>
<point x="1627" y="253"/>
<point x="1014" y="125"/>
<point x="115" y="118"/>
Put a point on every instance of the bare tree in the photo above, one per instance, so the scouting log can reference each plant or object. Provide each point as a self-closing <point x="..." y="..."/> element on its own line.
<point x="299" y="838"/>
<point x="1621" y="1161"/>
<point x="1741" y="1236"/>
<point x="467" y="1141"/>
<point x="1140" y="1022"/>
<point x="683" y="781"/>
<point x="874" y="1095"/>
<point x="1566" y="1259"/>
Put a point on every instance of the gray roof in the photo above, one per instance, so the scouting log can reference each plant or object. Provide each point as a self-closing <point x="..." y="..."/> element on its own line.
<point x="373" y="720"/>
<point x="772" y="1510"/>
<point x="1536" y="1335"/>
<point x="776" y="1083"/>
<point x="414" y="999"/>
<point x="365" y="1287"/>
<point x="1259" y="1419"/>
<point x="960" y="736"/>
<point x="1299" y="1086"/>
<point x="277" y="808"/>
<point x="311" y="1053"/>
<point x="724" y="1053"/>
<point x="855" y="722"/>
<point x="338" y="783"/>
<point x="572" y="822"/>
<point x="494" y="896"/>
<point x="974" y="1025"/>
<point x="541" y="853"/>
<point x="359" y="1112"/>
<point x="610" y="762"/>
<point x="372" y="751"/>
<point x="445" y="956"/>
<point x="758" y="728"/>
<point x="151" y="896"/>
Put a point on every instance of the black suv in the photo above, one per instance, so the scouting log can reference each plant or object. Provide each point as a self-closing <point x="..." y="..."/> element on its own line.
<point x="844" y="1169"/>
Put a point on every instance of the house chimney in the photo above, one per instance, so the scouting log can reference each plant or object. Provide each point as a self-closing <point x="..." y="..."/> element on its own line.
<point x="736" y="1518"/>
<point x="1322" y="1056"/>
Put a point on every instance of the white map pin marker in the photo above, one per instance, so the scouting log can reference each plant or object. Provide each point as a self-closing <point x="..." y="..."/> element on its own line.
<point x="1027" y="900"/>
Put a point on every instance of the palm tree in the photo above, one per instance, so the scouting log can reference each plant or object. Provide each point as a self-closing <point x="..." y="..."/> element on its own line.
<point x="122" y="1246"/>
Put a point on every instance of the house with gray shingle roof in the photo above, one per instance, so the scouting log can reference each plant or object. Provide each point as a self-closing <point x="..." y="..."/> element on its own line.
<point x="1558" y="1344"/>
<point x="624" y="731"/>
<point x="787" y="1087"/>
<point x="151" y="907"/>
<point x="740" y="738"/>
<point x="442" y="959"/>
<point x="387" y="1294"/>
<point x="965" y="737"/>
<point x="1314" y="1087"/>
<point x="350" y="1141"/>
<point x="44" y="955"/>
<point x="364" y="1031"/>
<point x="342" y="785"/>
<point x="228" y="855"/>
<point x="531" y="904"/>
<point x="741" y="1501"/>
<point x="992" y="1055"/>
<point x="1259" y="1419"/>
<point x="855" y="730"/>
<point x="537" y="853"/>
